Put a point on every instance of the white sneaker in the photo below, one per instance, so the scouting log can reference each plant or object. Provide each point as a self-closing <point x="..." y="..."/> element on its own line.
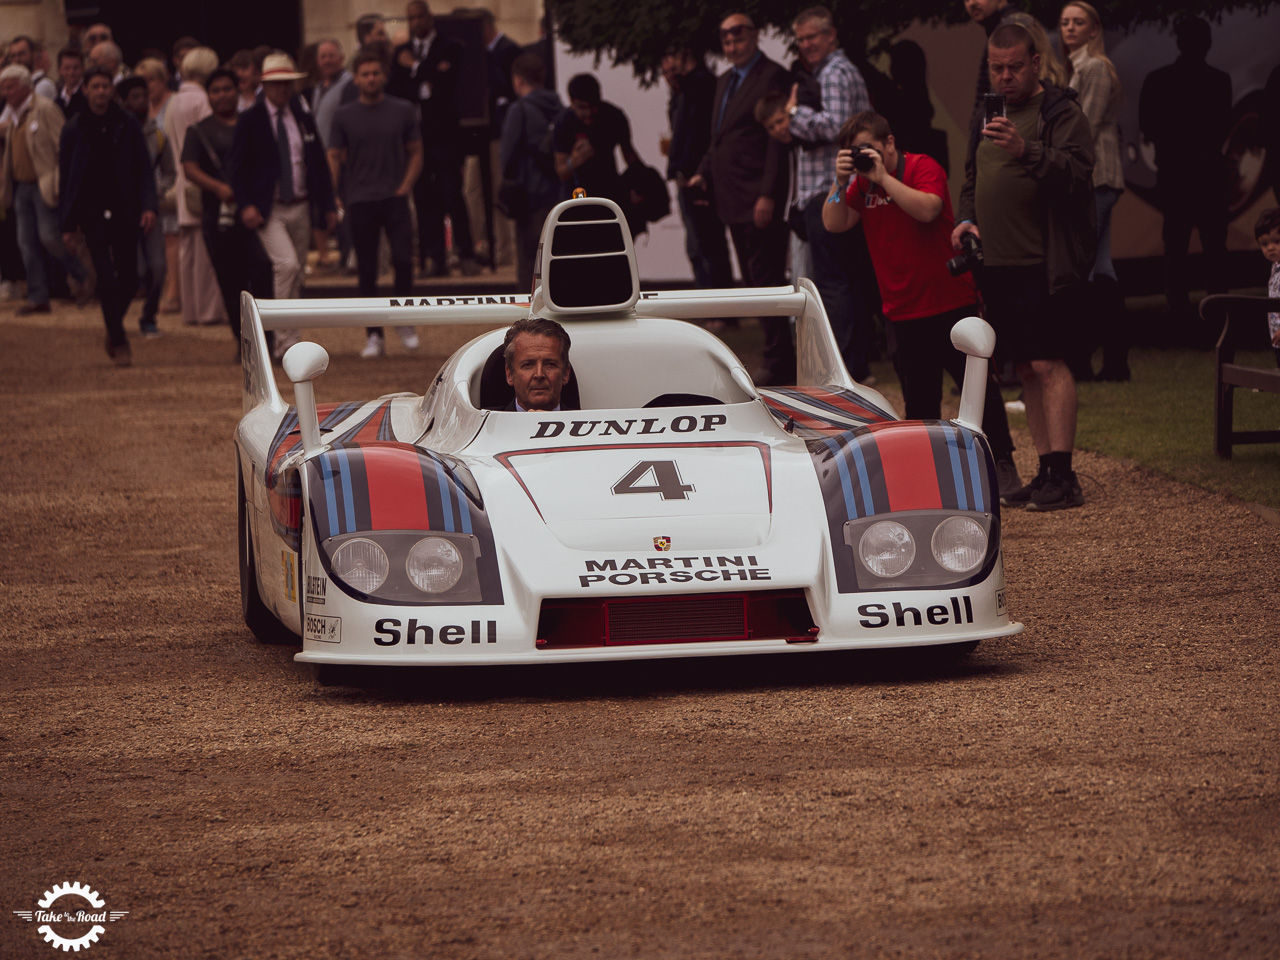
<point x="374" y="347"/>
<point x="408" y="337"/>
<point x="284" y="340"/>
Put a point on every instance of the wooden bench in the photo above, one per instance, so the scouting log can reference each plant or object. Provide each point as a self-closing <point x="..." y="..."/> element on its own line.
<point x="1241" y="318"/>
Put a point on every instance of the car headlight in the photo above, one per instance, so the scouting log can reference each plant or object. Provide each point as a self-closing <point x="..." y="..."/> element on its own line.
<point x="891" y="553"/>
<point x="410" y="567"/>
<point x="434" y="565"/>
<point x="959" y="544"/>
<point x="887" y="548"/>
<point x="362" y="564"/>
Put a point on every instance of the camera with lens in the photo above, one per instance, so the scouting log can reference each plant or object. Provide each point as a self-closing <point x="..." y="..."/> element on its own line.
<point x="969" y="257"/>
<point x="863" y="162"/>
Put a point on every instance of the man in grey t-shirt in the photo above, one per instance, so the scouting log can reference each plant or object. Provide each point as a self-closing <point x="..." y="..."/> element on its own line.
<point x="379" y="141"/>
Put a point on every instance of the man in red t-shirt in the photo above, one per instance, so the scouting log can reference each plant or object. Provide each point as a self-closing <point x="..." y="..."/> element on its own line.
<point x="905" y="211"/>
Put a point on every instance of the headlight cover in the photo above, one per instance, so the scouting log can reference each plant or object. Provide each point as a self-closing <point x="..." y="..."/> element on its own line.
<point x="361" y="563"/>
<point x="889" y="549"/>
<point x="434" y="565"/>
<point x="406" y="566"/>
<point x="959" y="544"/>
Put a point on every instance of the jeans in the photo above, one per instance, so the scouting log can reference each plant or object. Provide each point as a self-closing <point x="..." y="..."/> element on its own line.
<point x="705" y="244"/>
<point x="924" y="352"/>
<point x="1104" y="199"/>
<point x="240" y="263"/>
<point x="38" y="227"/>
<point x="762" y="256"/>
<point x="438" y="192"/>
<point x="835" y="259"/>
<point x="113" y="245"/>
<point x="368" y="220"/>
<point x="152" y="269"/>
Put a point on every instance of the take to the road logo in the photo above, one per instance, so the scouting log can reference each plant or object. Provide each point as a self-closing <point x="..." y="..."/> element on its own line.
<point x="64" y="922"/>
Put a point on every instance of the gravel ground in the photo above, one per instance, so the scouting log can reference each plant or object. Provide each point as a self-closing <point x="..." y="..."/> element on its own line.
<point x="1103" y="785"/>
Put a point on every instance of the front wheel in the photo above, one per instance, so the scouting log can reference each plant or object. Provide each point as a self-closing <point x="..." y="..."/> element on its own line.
<point x="261" y="622"/>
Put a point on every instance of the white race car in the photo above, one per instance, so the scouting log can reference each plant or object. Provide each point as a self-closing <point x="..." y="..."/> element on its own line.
<point x="671" y="509"/>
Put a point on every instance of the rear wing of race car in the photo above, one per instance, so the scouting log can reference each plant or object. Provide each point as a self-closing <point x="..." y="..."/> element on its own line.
<point x="818" y="359"/>
<point x="586" y="271"/>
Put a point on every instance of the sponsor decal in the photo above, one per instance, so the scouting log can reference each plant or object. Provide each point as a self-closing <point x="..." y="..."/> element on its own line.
<point x="388" y="632"/>
<point x="1000" y="607"/>
<point x="669" y="570"/>
<point x="287" y="564"/>
<point x="958" y="610"/>
<point x="316" y="626"/>
<point x="316" y="589"/>
<point x="662" y="543"/>
<point x="62" y="916"/>
<point x="646" y="426"/>
<point x="458" y="301"/>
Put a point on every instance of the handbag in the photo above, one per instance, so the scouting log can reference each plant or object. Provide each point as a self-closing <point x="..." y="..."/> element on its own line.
<point x="196" y="205"/>
<point x="194" y="197"/>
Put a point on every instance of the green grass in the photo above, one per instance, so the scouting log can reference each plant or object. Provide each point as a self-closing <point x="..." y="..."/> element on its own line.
<point x="1163" y="419"/>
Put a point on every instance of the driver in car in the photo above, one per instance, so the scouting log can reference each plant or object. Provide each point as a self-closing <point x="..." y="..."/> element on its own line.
<point x="536" y="352"/>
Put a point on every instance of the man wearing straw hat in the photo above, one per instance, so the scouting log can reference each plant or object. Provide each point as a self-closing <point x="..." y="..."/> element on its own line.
<point x="279" y="172"/>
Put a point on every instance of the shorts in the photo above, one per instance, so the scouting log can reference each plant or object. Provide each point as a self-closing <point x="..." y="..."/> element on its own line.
<point x="1029" y="323"/>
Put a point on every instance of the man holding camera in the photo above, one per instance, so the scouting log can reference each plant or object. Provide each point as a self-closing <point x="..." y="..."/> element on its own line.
<point x="1028" y="196"/>
<point x="901" y="199"/>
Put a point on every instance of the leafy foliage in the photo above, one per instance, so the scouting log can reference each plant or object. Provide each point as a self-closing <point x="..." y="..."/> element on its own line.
<point x="640" y="32"/>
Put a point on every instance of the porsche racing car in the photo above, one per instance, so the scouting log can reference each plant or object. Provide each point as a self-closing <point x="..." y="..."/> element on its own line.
<point x="671" y="508"/>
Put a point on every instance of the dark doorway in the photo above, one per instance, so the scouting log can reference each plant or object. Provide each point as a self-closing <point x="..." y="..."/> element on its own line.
<point x="225" y="25"/>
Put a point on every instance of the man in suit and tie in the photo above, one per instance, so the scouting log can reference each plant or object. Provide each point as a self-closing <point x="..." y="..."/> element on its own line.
<point x="748" y="178"/>
<point x="279" y="171"/>
<point x="425" y="71"/>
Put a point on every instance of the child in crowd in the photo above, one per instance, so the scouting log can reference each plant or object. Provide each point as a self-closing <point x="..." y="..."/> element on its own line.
<point x="1267" y="230"/>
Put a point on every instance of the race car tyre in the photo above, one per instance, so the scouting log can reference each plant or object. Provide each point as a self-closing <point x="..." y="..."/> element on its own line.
<point x="261" y="622"/>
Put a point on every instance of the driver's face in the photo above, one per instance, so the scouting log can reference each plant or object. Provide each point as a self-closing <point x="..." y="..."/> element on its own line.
<point x="538" y="371"/>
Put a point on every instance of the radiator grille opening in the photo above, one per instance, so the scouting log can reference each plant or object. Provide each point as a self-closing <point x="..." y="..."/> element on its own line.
<point x="762" y="615"/>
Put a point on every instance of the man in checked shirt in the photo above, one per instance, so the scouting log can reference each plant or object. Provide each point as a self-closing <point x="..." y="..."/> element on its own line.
<point x="838" y="258"/>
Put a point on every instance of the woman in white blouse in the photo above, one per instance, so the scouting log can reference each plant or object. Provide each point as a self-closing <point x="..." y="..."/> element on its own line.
<point x="1093" y="76"/>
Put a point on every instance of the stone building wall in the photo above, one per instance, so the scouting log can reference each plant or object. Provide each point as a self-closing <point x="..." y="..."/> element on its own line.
<point x="336" y="18"/>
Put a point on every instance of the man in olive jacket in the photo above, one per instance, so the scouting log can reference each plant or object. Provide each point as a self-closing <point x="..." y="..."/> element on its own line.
<point x="1029" y="197"/>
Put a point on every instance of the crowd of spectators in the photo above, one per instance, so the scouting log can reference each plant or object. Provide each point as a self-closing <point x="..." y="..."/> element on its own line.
<point x="226" y="174"/>
<point x="248" y="162"/>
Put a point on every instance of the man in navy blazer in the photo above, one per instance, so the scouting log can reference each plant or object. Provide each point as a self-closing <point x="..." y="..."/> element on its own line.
<point x="280" y="174"/>
<point x="425" y="72"/>
<point x="748" y="175"/>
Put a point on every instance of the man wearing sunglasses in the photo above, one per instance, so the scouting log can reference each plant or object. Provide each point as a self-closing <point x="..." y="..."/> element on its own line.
<point x="747" y="176"/>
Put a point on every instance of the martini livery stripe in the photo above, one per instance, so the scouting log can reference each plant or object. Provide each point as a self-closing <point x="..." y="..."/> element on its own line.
<point x="284" y="491"/>
<point x="814" y="411"/>
<point x="907" y="465"/>
<point x="891" y="468"/>
<point x="382" y="485"/>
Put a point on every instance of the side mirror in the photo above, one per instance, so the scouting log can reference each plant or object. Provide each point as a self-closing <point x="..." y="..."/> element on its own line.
<point x="302" y="363"/>
<point x="974" y="337"/>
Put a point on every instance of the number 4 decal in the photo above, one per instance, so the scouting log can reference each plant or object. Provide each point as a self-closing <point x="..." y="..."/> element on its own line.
<point x="665" y="476"/>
